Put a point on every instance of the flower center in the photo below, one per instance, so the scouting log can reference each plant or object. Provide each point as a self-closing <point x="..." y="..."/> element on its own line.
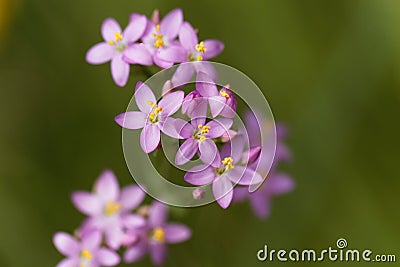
<point x="154" y="115"/>
<point x="158" y="235"/>
<point x="227" y="165"/>
<point x="201" y="131"/>
<point x="118" y="43"/>
<point x="85" y="256"/>
<point x="111" y="208"/>
<point x="224" y="93"/>
<point x="158" y="38"/>
<point x="197" y="56"/>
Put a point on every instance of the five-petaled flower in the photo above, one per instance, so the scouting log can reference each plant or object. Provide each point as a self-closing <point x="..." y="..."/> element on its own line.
<point x="199" y="138"/>
<point x="161" y="39"/>
<point x="232" y="169"/>
<point x="84" y="252"/>
<point x="155" y="236"/>
<point x="153" y="117"/>
<point x="121" y="48"/>
<point x="109" y="208"/>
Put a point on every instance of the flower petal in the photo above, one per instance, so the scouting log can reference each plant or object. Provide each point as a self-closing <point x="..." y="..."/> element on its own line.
<point x="186" y="151"/>
<point x="171" y="102"/>
<point x="184" y="128"/>
<point x="188" y="37"/>
<point x="205" y="85"/>
<point x="131" y="120"/>
<point x="135" y="29"/>
<point x="176" y="233"/>
<point x="158" y="253"/>
<point x="150" y="138"/>
<point x="100" y="53"/>
<point x="143" y="97"/>
<point x="109" y="28"/>
<point x="261" y="205"/>
<point x="138" y="54"/>
<point x="135" y="253"/>
<point x="200" y="175"/>
<point x="66" y="244"/>
<point x="160" y="62"/>
<point x="131" y="197"/>
<point x="217" y="104"/>
<point x="223" y="191"/>
<point x="91" y="240"/>
<point x="244" y="176"/>
<point x="87" y="203"/>
<point x="107" y="257"/>
<point x="213" y="48"/>
<point x="169" y="127"/>
<point x="158" y="214"/>
<point x="240" y="194"/>
<point x="207" y="68"/>
<point x="119" y="70"/>
<point x="114" y="237"/>
<point x="209" y="152"/>
<point x="279" y="183"/>
<point x="133" y="221"/>
<point x="107" y="186"/>
<point x="68" y="263"/>
<point x="171" y="23"/>
<point x="218" y="127"/>
<point x="172" y="54"/>
<point x="183" y="74"/>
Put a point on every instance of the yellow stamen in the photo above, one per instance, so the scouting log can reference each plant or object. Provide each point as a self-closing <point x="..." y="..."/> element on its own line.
<point x="205" y="129"/>
<point x="158" y="110"/>
<point x="159" y="42"/>
<point x="86" y="254"/>
<point x="228" y="162"/>
<point x="111" y="208"/>
<point x="151" y="103"/>
<point x="199" y="58"/>
<point x="200" y="126"/>
<point x="224" y="93"/>
<point x="159" y="38"/>
<point x="202" y="138"/>
<point x="158" y="235"/>
<point x="201" y="48"/>
<point x="118" y="36"/>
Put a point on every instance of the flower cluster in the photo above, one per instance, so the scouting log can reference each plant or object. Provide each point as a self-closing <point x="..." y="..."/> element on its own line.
<point x="112" y="225"/>
<point x="145" y="42"/>
<point x="118" y="226"/>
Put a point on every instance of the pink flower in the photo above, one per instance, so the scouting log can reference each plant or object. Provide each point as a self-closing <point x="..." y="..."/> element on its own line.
<point x="109" y="208"/>
<point x="199" y="135"/>
<point x="160" y="39"/>
<point x="153" y="117"/>
<point x="222" y="102"/>
<point x="195" y="50"/>
<point x="86" y="252"/>
<point x="120" y="47"/>
<point x="232" y="169"/>
<point x="154" y="238"/>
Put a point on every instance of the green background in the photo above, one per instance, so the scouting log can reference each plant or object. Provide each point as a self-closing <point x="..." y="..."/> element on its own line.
<point x="330" y="70"/>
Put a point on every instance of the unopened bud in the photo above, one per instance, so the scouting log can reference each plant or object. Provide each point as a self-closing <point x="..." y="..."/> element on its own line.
<point x="155" y="17"/>
<point x="198" y="193"/>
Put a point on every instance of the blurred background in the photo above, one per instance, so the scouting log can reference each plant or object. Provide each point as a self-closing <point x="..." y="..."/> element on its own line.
<point x="330" y="70"/>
